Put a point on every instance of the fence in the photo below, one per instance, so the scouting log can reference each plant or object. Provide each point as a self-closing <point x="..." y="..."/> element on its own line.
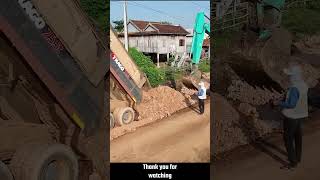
<point x="238" y="14"/>
<point x="301" y="3"/>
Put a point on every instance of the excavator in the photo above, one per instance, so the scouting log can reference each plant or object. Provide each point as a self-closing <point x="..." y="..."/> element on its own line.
<point x="199" y="30"/>
<point x="271" y="49"/>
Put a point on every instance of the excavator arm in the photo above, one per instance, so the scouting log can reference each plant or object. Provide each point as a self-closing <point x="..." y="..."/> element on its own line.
<point x="200" y="28"/>
<point x="269" y="16"/>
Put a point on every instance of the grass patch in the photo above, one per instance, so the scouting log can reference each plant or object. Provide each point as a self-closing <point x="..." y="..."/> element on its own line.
<point x="204" y="65"/>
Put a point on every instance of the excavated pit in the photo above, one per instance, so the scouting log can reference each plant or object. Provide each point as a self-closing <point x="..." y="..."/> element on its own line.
<point x="248" y="80"/>
<point x="253" y="73"/>
<point x="189" y="84"/>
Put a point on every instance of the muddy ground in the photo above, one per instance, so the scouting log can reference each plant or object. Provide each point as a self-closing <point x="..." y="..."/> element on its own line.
<point x="182" y="137"/>
<point x="161" y="102"/>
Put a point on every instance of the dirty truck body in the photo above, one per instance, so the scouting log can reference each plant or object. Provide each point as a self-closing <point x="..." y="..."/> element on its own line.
<point x="126" y="82"/>
<point x="52" y="91"/>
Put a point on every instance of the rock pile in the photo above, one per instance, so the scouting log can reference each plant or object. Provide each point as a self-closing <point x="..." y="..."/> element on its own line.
<point x="243" y="92"/>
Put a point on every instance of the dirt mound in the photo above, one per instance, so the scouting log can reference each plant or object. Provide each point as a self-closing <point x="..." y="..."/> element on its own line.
<point x="227" y="133"/>
<point x="160" y="102"/>
<point x="309" y="45"/>
<point x="234" y="127"/>
<point x="157" y="103"/>
<point x="190" y="94"/>
<point x="243" y="92"/>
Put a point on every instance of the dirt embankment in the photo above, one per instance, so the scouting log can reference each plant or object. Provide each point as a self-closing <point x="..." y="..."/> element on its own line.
<point x="157" y="103"/>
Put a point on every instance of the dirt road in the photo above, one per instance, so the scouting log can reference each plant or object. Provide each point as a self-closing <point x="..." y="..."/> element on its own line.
<point x="183" y="137"/>
<point x="264" y="160"/>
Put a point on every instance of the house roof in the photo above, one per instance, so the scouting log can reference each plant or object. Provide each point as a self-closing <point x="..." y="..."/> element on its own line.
<point x="140" y="24"/>
<point x="159" y="27"/>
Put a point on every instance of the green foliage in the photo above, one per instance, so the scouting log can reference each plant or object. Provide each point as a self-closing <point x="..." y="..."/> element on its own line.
<point x="119" y="26"/>
<point x="98" y="11"/>
<point x="165" y="22"/>
<point x="204" y="65"/>
<point x="222" y="40"/>
<point x="172" y="74"/>
<point x="155" y="75"/>
<point x="302" y="21"/>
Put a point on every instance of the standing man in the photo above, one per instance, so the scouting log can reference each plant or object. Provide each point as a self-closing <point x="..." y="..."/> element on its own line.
<point x="202" y="95"/>
<point x="295" y="109"/>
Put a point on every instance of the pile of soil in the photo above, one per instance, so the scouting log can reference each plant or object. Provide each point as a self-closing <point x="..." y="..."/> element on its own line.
<point x="227" y="133"/>
<point x="190" y="94"/>
<point x="310" y="45"/>
<point x="160" y="102"/>
<point x="243" y="92"/>
<point x="157" y="103"/>
<point x="236" y="126"/>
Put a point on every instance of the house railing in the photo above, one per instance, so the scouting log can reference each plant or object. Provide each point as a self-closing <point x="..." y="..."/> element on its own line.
<point x="301" y="3"/>
<point x="238" y="14"/>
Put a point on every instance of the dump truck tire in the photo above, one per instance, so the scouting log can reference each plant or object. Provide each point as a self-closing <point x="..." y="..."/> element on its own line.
<point x="123" y="116"/>
<point x="112" y="124"/>
<point x="5" y="173"/>
<point x="40" y="161"/>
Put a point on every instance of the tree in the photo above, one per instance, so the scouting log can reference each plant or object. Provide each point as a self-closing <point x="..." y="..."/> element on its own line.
<point x="118" y="25"/>
<point x="165" y="22"/>
<point x="98" y="10"/>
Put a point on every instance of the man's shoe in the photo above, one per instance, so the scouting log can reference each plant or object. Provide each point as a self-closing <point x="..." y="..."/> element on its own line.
<point x="290" y="166"/>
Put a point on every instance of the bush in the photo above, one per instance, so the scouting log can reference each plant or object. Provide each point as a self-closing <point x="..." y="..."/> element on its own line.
<point x="155" y="75"/>
<point x="204" y="65"/>
<point x="98" y="11"/>
<point x="302" y="21"/>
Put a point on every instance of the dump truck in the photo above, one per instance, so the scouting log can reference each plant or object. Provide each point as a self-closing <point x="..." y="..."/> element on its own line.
<point x="126" y="83"/>
<point x="53" y="80"/>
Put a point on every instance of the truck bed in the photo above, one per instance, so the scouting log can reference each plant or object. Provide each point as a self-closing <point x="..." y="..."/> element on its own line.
<point x="54" y="60"/>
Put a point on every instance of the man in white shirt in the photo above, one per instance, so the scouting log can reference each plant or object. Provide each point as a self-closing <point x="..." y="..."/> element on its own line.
<point x="202" y="95"/>
<point x="295" y="109"/>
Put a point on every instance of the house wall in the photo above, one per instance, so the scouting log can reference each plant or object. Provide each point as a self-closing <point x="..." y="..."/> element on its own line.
<point x="161" y="44"/>
<point x="188" y="43"/>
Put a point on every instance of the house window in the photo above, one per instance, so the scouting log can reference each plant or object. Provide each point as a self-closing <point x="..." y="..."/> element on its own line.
<point x="137" y="43"/>
<point x="181" y="42"/>
<point x="163" y="43"/>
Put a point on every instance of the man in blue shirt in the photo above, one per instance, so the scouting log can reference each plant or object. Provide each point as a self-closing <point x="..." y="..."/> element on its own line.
<point x="294" y="109"/>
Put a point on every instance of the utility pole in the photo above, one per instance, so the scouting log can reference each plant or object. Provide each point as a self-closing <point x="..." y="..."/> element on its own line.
<point x="125" y="25"/>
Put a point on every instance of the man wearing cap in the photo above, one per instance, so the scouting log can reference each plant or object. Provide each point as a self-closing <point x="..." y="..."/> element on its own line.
<point x="294" y="109"/>
<point x="202" y="95"/>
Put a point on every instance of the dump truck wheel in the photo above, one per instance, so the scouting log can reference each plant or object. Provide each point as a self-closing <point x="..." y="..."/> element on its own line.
<point x="45" y="162"/>
<point x="111" y="121"/>
<point x="123" y="115"/>
<point x="5" y="173"/>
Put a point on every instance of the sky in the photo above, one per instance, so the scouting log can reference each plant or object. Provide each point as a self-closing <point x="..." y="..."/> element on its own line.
<point x="177" y="12"/>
